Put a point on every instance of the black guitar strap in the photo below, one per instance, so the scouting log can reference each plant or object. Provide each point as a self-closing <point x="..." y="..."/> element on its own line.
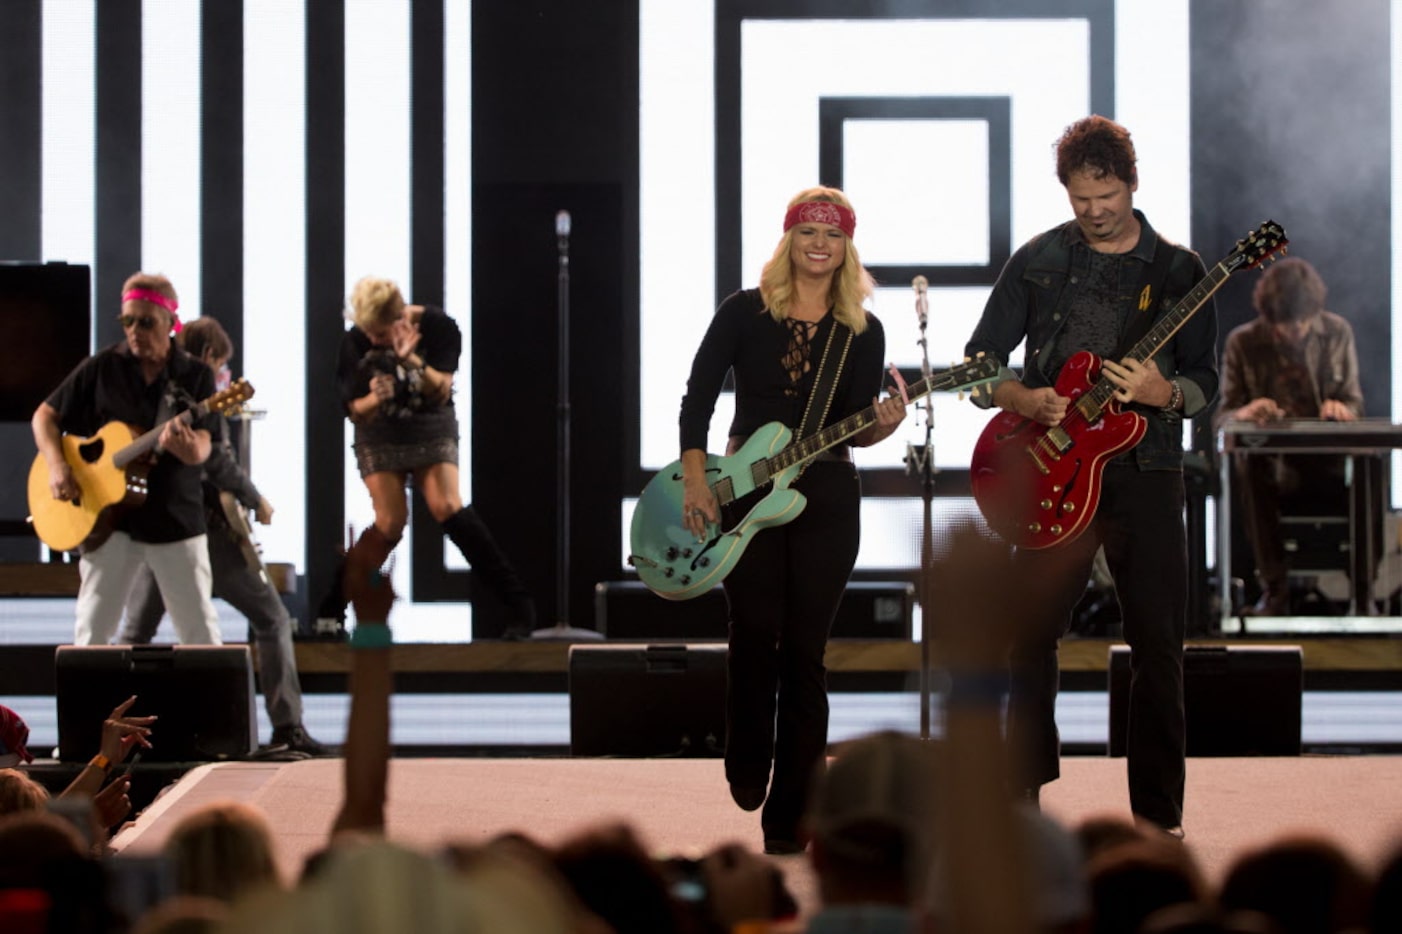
<point x="825" y="383"/>
<point x="1151" y="290"/>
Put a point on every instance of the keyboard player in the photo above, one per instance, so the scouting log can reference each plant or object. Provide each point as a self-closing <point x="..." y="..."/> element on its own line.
<point x="1295" y="360"/>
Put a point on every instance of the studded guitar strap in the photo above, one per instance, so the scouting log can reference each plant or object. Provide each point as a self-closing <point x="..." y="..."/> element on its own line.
<point x="825" y="383"/>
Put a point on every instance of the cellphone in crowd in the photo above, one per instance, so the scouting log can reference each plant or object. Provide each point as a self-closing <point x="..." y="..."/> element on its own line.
<point x="125" y="768"/>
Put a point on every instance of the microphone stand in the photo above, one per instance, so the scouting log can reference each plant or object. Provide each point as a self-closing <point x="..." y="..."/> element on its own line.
<point x="923" y="460"/>
<point x="562" y="630"/>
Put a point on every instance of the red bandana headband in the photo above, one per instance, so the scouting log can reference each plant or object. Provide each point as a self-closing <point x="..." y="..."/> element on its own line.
<point x="821" y="212"/>
<point x="155" y="298"/>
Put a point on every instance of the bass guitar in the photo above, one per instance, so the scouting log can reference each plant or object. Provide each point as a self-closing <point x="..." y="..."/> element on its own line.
<point x="1039" y="486"/>
<point x="110" y="469"/>
<point x="667" y="556"/>
<point x="241" y="532"/>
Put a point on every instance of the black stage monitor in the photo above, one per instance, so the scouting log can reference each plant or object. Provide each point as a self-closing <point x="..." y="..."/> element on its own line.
<point x="46" y="310"/>
<point x="203" y="695"/>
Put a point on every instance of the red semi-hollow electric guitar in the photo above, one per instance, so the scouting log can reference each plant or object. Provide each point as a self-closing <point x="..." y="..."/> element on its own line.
<point x="1039" y="486"/>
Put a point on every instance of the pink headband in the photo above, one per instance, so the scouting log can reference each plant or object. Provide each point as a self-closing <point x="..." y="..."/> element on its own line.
<point x="155" y="298"/>
<point x="822" y="212"/>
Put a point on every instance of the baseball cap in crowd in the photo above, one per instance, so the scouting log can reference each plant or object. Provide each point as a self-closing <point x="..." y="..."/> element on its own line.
<point x="874" y="804"/>
<point x="14" y="733"/>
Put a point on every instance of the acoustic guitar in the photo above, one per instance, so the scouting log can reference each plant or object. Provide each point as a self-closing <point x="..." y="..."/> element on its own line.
<point x="1039" y="486"/>
<point x="110" y="469"/>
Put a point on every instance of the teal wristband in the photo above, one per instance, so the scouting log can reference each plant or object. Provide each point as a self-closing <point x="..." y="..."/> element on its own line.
<point x="369" y="635"/>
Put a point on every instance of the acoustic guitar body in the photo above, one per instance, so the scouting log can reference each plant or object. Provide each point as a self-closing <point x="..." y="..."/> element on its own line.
<point x="65" y="524"/>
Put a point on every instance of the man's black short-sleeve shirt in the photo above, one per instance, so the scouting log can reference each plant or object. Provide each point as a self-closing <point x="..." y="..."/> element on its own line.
<point x="109" y="386"/>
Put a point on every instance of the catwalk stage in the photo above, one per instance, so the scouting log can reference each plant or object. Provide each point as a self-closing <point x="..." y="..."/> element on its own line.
<point x="682" y="805"/>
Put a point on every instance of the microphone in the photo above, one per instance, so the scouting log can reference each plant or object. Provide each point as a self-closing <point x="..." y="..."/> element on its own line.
<point x="562" y="234"/>
<point x="922" y="306"/>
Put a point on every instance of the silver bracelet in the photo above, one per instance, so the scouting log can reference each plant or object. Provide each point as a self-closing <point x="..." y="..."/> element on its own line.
<point x="1175" y="397"/>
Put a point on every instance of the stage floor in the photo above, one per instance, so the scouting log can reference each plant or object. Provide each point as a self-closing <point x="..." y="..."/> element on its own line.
<point x="683" y="805"/>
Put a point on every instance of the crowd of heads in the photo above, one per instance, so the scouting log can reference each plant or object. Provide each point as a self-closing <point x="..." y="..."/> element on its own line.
<point x="878" y="845"/>
<point x="876" y="839"/>
<point x="873" y="830"/>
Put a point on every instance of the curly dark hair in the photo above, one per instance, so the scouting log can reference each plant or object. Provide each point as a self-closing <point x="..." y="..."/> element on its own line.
<point x="1099" y="145"/>
<point x="1289" y="291"/>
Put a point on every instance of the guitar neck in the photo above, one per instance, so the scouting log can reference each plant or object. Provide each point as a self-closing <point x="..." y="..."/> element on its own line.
<point x="810" y="447"/>
<point x="1162" y="332"/>
<point x="146" y="443"/>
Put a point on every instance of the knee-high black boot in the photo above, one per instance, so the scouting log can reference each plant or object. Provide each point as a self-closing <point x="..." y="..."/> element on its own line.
<point x="491" y="566"/>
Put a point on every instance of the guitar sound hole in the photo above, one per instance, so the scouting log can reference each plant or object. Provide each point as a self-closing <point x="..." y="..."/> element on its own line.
<point x="91" y="453"/>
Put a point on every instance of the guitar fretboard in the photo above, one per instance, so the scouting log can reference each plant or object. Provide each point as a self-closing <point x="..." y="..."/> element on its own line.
<point x="1268" y="239"/>
<point x="147" y="442"/>
<point x="1162" y="332"/>
<point x="806" y="448"/>
<point x="239" y="392"/>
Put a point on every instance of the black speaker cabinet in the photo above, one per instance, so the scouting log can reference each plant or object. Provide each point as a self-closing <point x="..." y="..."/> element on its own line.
<point x="628" y="610"/>
<point x="203" y="695"/>
<point x="647" y="700"/>
<point x="1239" y="700"/>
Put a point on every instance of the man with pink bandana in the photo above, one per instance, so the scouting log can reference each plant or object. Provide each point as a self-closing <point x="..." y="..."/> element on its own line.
<point x="144" y="380"/>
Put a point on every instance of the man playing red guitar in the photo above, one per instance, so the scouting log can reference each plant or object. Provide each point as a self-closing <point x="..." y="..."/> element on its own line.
<point x="1097" y="283"/>
<point x="141" y="381"/>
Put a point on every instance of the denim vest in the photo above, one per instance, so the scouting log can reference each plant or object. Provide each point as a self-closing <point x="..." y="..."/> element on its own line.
<point x="1039" y="285"/>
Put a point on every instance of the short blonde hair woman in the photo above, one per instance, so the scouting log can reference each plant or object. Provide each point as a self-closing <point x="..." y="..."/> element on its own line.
<point x="396" y="371"/>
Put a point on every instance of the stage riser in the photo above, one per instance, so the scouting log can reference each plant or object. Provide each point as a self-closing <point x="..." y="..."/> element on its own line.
<point x="628" y="610"/>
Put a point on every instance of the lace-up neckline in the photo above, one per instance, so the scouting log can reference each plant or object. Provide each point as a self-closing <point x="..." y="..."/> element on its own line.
<point x="798" y="355"/>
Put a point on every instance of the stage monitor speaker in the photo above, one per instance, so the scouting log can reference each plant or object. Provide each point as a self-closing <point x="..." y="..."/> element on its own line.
<point x="643" y="700"/>
<point x="1239" y="700"/>
<point x="203" y="695"/>
<point x="628" y="610"/>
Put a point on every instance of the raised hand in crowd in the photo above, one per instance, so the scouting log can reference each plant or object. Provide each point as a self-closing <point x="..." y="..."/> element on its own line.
<point x="120" y="734"/>
<point x="367" y="747"/>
